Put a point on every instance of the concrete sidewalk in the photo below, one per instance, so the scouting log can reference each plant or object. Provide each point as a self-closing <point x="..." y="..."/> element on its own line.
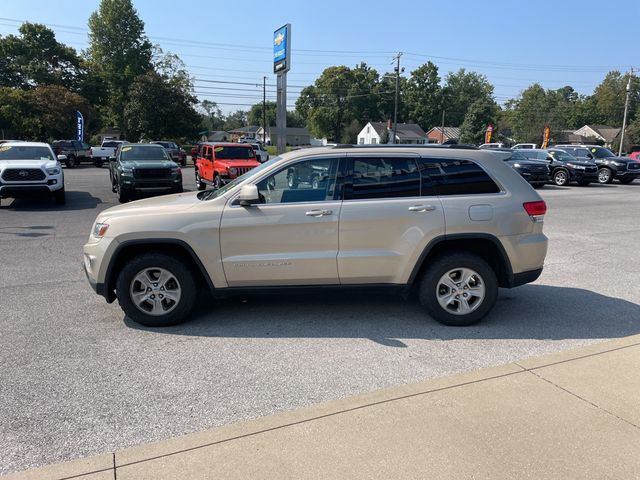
<point x="574" y="414"/>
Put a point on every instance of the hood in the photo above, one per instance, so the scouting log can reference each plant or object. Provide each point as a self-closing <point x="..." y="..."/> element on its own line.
<point x="238" y="163"/>
<point x="160" y="163"/>
<point x="28" y="163"/>
<point x="165" y="204"/>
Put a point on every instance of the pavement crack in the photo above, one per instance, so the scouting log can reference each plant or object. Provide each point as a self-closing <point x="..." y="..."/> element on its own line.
<point x="599" y="407"/>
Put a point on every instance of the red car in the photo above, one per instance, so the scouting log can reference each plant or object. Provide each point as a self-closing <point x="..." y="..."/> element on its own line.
<point x="219" y="163"/>
<point x="635" y="153"/>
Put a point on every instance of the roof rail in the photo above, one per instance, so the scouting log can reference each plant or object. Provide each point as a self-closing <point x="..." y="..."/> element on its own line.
<point x="454" y="146"/>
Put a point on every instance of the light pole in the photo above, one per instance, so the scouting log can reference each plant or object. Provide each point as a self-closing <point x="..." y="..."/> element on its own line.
<point x="626" y="109"/>
<point x="395" y="108"/>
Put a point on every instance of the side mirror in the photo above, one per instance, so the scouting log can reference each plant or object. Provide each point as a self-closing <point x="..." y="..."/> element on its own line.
<point x="62" y="158"/>
<point x="112" y="159"/>
<point x="249" y="195"/>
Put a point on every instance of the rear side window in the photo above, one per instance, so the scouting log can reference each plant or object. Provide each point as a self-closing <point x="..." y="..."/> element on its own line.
<point x="457" y="177"/>
<point x="383" y="177"/>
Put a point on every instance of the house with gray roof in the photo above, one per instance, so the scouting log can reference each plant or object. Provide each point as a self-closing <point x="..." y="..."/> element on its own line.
<point x="601" y="133"/>
<point x="409" y="133"/>
<point x="440" y="135"/>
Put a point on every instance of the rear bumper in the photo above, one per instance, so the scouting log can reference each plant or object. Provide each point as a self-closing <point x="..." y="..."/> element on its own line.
<point x="525" y="277"/>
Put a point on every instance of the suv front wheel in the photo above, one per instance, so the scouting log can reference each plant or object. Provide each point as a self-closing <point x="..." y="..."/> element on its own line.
<point x="156" y="290"/>
<point x="458" y="289"/>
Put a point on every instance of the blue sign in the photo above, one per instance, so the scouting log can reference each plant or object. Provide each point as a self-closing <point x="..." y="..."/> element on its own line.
<point x="282" y="49"/>
<point x="79" y="126"/>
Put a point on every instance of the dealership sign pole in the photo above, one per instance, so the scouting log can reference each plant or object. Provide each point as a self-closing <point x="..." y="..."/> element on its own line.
<point x="79" y="126"/>
<point x="281" y="65"/>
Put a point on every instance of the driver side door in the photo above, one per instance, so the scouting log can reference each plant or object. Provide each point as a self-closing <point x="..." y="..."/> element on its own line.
<point x="291" y="237"/>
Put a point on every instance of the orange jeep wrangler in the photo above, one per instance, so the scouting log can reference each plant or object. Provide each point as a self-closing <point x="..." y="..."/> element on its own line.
<point x="219" y="163"/>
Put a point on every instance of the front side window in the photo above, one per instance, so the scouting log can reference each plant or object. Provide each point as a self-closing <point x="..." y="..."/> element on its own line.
<point x="306" y="181"/>
<point x="383" y="177"/>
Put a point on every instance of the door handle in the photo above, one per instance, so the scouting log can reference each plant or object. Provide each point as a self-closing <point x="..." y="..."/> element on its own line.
<point x="422" y="208"/>
<point x="318" y="213"/>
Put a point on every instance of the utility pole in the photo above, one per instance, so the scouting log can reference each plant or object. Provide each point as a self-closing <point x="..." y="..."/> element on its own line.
<point x="264" y="110"/>
<point x="626" y="109"/>
<point x="442" y="131"/>
<point x="395" y="109"/>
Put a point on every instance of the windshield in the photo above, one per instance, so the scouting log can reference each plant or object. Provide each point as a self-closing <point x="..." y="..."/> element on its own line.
<point x="534" y="154"/>
<point x="234" y="153"/>
<point x="562" y="156"/>
<point x="140" y="153"/>
<point x="12" y="152"/>
<point x="601" y="152"/>
<point x="210" y="194"/>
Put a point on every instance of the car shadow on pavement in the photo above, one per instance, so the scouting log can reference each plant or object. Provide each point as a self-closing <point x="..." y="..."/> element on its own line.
<point x="75" y="201"/>
<point x="529" y="312"/>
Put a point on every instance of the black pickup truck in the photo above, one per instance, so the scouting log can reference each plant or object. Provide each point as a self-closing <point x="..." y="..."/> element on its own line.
<point x="610" y="166"/>
<point x="75" y="151"/>
<point x="143" y="169"/>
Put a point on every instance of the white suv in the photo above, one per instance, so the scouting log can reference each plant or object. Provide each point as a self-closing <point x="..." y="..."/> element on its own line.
<point x="30" y="168"/>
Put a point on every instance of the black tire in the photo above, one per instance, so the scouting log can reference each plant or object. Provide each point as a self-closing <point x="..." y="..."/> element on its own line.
<point x="292" y="181"/>
<point x="71" y="161"/>
<point x="428" y="289"/>
<point x="200" y="185"/>
<point x="98" y="163"/>
<point x="217" y="182"/>
<point x="584" y="183"/>
<point x="178" y="189"/>
<point x="561" y="177"/>
<point x="626" y="181"/>
<point x="60" y="196"/>
<point x="123" y="195"/>
<point x="184" y="162"/>
<point x="177" y="268"/>
<point x="605" y="175"/>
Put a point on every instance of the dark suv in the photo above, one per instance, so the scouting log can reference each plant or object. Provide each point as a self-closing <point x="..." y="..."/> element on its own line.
<point x="564" y="167"/>
<point x="143" y="168"/>
<point x="75" y="151"/>
<point x="533" y="171"/>
<point x="609" y="165"/>
<point x="176" y="153"/>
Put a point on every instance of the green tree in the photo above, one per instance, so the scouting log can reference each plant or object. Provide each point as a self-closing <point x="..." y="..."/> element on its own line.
<point x="213" y="118"/>
<point x="16" y="112"/>
<point x="235" y="120"/>
<point x="159" y="109"/>
<point x="364" y="97"/>
<point x="386" y="95"/>
<point x="324" y="105"/>
<point x="119" y="51"/>
<point x="480" y="114"/>
<point x="35" y="58"/>
<point x="423" y="96"/>
<point x="609" y="98"/>
<point x="460" y="91"/>
<point x="254" y="117"/>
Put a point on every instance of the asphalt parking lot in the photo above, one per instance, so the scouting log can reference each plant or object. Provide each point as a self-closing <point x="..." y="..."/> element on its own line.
<point x="78" y="378"/>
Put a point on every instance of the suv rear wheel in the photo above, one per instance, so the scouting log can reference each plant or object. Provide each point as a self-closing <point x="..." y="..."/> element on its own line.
<point x="200" y="185"/>
<point x="71" y="161"/>
<point x="156" y="290"/>
<point x="458" y="289"/>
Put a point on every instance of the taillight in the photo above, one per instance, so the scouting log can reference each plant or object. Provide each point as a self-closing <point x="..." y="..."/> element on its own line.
<point x="535" y="209"/>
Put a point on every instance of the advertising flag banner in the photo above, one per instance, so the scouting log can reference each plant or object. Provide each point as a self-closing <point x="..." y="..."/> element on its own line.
<point x="487" y="134"/>
<point x="79" y="126"/>
<point x="545" y="136"/>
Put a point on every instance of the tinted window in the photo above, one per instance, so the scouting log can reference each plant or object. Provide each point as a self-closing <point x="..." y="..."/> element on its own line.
<point x="383" y="177"/>
<point x="307" y="181"/>
<point x="458" y="177"/>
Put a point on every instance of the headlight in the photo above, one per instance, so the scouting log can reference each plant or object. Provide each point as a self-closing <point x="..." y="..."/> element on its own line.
<point x="517" y="165"/>
<point x="53" y="171"/>
<point x="126" y="171"/>
<point x="232" y="170"/>
<point x="617" y="164"/>
<point x="99" y="230"/>
<point x="577" y="167"/>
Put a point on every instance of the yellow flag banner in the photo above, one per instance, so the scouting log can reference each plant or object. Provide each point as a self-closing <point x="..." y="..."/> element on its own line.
<point x="545" y="136"/>
<point x="487" y="134"/>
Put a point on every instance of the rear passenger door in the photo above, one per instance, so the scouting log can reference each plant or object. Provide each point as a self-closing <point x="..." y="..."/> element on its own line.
<point x="389" y="214"/>
<point x="470" y="197"/>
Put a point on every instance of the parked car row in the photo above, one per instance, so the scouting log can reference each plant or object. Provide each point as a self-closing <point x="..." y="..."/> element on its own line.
<point x="566" y="164"/>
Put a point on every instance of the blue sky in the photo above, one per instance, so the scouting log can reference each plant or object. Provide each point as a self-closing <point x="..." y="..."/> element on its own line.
<point x="514" y="43"/>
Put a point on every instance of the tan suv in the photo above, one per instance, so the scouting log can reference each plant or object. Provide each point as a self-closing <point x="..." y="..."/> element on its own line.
<point x="456" y="223"/>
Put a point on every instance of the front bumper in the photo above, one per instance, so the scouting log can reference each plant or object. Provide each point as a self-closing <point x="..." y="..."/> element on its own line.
<point x="16" y="189"/>
<point x="581" y="175"/>
<point x="628" y="174"/>
<point x="151" y="185"/>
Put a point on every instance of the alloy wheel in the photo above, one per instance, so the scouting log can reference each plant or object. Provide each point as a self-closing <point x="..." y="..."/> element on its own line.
<point x="460" y="291"/>
<point x="155" y="291"/>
